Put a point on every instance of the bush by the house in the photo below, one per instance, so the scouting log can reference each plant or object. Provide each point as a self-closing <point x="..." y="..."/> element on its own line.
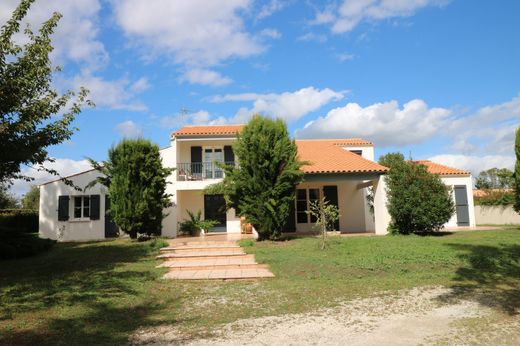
<point x="262" y="187"/>
<point x="19" y="220"/>
<point x="195" y="224"/>
<point x="136" y="181"/>
<point x="418" y="201"/>
<point x="14" y="244"/>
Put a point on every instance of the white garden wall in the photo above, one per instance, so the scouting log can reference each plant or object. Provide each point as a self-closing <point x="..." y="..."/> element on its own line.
<point x="496" y="215"/>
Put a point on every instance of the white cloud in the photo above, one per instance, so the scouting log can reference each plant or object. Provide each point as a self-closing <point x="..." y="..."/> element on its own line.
<point x="205" y="77"/>
<point x="350" y="13"/>
<point x="268" y="9"/>
<point x="75" y="37"/>
<point x="116" y="94"/>
<point x="490" y="128"/>
<point x="196" y="33"/>
<point x="311" y="36"/>
<point x="289" y="106"/>
<point x="345" y="57"/>
<point x="140" y="85"/>
<point x="201" y="117"/>
<point x="64" y="167"/>
<point x="129" y="129"/>
<point x="385" y="123"/>
<point x="475" y="164"/>
<point x="271" y="33"/>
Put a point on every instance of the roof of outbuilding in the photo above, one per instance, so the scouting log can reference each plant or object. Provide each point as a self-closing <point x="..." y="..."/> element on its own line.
<point x="328" y="156"/>
<point x="197" y="130"/>
<point x="437" y="168"/>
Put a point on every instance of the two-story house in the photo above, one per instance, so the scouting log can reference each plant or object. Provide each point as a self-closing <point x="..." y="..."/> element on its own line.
<point x="342" y="170"/>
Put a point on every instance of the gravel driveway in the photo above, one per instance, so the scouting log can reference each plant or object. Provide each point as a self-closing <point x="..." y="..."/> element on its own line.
<point x="411" y="317"/>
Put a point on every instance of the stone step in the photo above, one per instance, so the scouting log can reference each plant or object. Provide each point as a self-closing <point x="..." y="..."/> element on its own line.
<point x="202" y="243"/>
<point x="238" y="257"/>
<point x="219" y="274"/>
<point x="205" y="249"/>
<point x="201" y="255"/>
<point x="172" y="263"/>
<point x="222" y="267"/>
<point x="199" y="247"/>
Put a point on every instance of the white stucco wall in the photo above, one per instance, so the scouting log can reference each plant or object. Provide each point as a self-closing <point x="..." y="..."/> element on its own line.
<point x="467" y="181"/>
<point x="496" y="215"/>
<point x="351" y="203"/>
<point x="381" y="216"/>
<point x="367" y="152"/>
<point x="72" y="230"/>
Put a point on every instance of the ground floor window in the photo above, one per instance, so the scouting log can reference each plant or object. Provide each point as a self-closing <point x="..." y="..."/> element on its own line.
<point x="304" y="197"/>
<point x="81" y="207"/>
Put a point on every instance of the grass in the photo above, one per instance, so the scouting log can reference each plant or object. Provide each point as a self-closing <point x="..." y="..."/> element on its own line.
<point x="100" y="293"/>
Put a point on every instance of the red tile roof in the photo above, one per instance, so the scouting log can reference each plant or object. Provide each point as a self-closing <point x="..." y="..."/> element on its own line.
<point x="327" y="156"/>
<point x="441" y="169"/>
<point x="193" y="130"/>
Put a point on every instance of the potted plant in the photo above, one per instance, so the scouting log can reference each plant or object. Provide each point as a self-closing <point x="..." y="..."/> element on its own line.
<point x="194" y="225"/>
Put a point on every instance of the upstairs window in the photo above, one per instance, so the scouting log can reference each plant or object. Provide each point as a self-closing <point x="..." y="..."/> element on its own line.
<point x="357" y="152"/>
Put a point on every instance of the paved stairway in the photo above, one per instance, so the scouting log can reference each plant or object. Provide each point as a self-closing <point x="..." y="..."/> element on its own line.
<point x="210" y="260"/>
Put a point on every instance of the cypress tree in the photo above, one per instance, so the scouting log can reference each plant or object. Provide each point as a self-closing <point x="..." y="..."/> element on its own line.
<point x="517" y="171"/>
<point x="136" y="181"/>
<point x="262" y="186"/>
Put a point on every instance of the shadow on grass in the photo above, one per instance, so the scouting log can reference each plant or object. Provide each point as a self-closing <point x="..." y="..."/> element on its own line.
<point x="78" y="294"/>
<point x="491" y="276"/>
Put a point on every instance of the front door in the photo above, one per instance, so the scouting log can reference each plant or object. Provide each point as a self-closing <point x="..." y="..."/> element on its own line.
<point x="461" y="205"/>
<point x="215" y="209"/>
<point x="110" y="226"/>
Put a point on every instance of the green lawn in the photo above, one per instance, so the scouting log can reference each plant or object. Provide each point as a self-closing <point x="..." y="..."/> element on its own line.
<point x="99" y="293"/>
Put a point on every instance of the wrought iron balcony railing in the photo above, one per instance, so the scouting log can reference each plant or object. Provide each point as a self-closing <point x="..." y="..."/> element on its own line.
<point x="191" y="171"/>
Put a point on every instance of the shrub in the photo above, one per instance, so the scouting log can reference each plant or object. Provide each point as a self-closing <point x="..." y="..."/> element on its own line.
<point x="19" y="220"/>
<point x="496" y="197"/>
<point x="262" y="187"/>
<point x="326" y="216"/>
<point x="136" y="180"/>
<point x="418" y="201"/>
<point x="14" y="244"/>
<point x="195" y="224"/>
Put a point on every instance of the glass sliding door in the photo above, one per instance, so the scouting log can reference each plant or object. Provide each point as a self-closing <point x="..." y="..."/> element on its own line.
<point x="211" y="156"/>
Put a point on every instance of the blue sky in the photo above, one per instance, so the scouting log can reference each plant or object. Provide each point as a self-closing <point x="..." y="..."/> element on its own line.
<point x="435" y="78"/>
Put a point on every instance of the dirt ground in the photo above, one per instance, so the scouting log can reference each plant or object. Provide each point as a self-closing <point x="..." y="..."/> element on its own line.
<point x="411" y="317"/>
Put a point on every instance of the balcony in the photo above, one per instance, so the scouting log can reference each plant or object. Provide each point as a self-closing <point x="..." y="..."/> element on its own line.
<point x="197" y="171"/>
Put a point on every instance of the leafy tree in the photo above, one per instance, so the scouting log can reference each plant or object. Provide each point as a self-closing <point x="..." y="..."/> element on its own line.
<point x="418" y="201"/>
<point x="326" y="215"/>
<point x="31" y="200"/>
<point x="7" y="199"/>
<point x="28" y="104"/>
<point x="517" y="171"/>
<point x="495" y="178"/>
<point x="136" y="182"/>
<point x="262" y="186"/>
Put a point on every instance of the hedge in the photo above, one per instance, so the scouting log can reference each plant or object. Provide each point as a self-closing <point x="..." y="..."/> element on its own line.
<point x="14" y="244"/>
<point x="503" y="198"/>
<point x="20" y="220"/>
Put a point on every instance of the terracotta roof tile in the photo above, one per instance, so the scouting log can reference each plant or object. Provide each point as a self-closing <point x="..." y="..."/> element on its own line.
<point x="192" y="130"/>
<point x="437" y="168"/>
<point x="327" y="156"/>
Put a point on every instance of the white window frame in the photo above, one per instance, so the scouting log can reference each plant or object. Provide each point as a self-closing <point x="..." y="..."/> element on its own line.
<point x="212" y="162"/>
<point x="82" y="207"/>
<point x="308" y="201"/>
